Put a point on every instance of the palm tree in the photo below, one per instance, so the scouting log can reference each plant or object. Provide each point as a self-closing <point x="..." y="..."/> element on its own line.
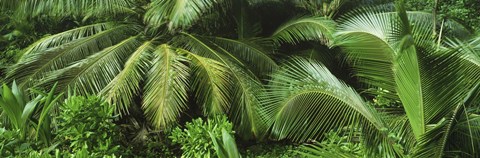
<point x="155" y="52"/>
<point x="437" y="85"/>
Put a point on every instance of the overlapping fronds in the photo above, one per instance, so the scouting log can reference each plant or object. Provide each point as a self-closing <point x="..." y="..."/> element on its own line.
<point x="238" y="59"/>
<point x="126" y="85"/>
<point x="373" y="37"/>
<point x="255" y="53"/>
<point x="62" y="8"/>
<point x="92" y="74"/>
<point x="461" y="125"/>
<point x="61" y="50"/>
<point x="211" y="84"/>
<point x="304" y="99"/>
<point x="366" y="36"/>
<point x="452" y="78"/>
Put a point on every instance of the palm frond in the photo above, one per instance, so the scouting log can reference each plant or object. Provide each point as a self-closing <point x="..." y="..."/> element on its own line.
<point x="409" y="88"/>
<point x="61" y="8"/>
<point x="67" y="36"/>
<point x="166" y="87"/>
<point x="211" y="84"/>
<point x="61" y="50"/>
<point x="253" y="52"/>
<point x="303" y="95"/>
<point x="244" y="107"/>
<point x="303" y="101"/>
<point x="243" y="85"/>
<point x="372" y="38"/>
<point x="366" y="36"/>
<point x="459" y="125"/>
<point x="453" y="77"/>
<point x="305" y="29"/>
<point x="91" y="75"/>
<point x="126" y="85"/>
<point x="178" y="13"/>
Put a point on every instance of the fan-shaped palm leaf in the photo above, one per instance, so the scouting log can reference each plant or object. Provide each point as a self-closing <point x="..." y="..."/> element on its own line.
<point x="304" y="99"/>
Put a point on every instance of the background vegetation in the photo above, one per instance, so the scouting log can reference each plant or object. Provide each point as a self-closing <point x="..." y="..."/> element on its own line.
<point x="239" y="78"/>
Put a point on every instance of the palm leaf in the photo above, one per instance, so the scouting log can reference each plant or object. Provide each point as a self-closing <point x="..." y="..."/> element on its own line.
<point x="47" y="54"/>
<point x="371" y="38"/>
<point x="211" y="84"/>
<point x="366" y="37"/>
<point x="243" y="84"/>
<point x="460" y="125"/>
<point x="126" y="85"/>
<point x="91" y="75"/>
<point x="166" y="87"/>
<point x="303" y="95"/>
<point x="68" y="36"/>
<point x="303" y="100"/>
<point x="253" y="52"/>
<point x="306" y="29"/>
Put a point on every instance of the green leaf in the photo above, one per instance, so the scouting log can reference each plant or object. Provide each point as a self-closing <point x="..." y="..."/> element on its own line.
<point x="166" y="87"/>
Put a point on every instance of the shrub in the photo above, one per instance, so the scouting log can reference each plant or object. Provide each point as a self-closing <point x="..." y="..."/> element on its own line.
<point x="86" y="123"/>
<point x="271" y="149"/>
<point x="335" y="145"/>
<point x="195" y="139"/>
<point x="31" y="117"/>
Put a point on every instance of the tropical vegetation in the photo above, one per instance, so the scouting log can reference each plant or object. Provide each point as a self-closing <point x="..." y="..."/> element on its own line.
<point x="218" y="78"/>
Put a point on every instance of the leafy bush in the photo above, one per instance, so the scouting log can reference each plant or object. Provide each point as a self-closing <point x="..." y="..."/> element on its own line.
<point x="335" y="145"/>
<point x="146" y="143"/>
<point x="10" y="143"/>
<point x="29" y="118"/>
<point x="267" y="150"/>
<point x="12" y="146"/>
<point x="87" y="122"/>
<point x="196" y="138"/>
<point x="464" y="11"/>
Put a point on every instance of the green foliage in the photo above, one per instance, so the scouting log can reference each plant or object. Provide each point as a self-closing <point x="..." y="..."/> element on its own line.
<point x="334" y="145"/>
<point x="226" y="147"/>
<point x="196" y="138"/>
<point x="144" y="142"/>
<point x="157" y="58"/>
<point x="464" y="11"/>
<point x="7" y="58"/>
<point x="87" y="122"/>
<point x="381" y="99"/>
<point x="31" y="117"/>
<point x="11" y="145"/>
<point x="271" y="149"/>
